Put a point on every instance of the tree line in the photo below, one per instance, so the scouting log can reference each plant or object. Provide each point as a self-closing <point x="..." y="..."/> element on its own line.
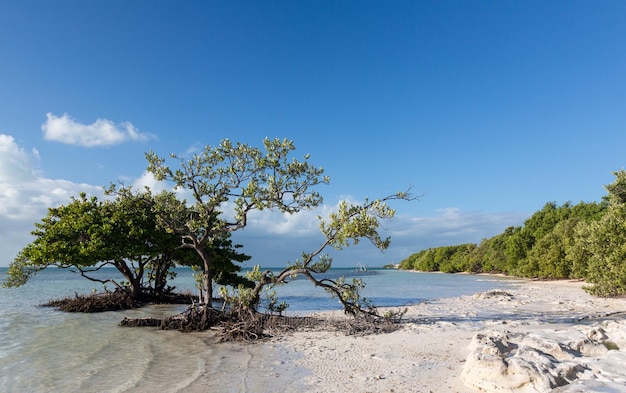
<point x="572" y="241"/>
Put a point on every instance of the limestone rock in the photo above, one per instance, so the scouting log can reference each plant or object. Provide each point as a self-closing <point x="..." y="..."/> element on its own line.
<point x="529" y="363"/>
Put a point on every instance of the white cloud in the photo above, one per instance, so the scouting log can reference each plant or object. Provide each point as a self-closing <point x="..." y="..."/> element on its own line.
<point x="147" y="180"/>
<point x="275" y="223"/>
<point x="16" y="163"/>
<point x="302" y="224"/>
<point x="25" y="196"/>
<point x="102" y="132"/>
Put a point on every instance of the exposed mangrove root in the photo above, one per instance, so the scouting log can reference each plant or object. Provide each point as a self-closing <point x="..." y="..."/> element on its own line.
<point x="138" y="322"/>
<point x="250" y="327"/>
<point x="114" y="301"/>
<point x="194" y="318"/>
<point x="108" y="301"/>
<point x="367" y="326"/>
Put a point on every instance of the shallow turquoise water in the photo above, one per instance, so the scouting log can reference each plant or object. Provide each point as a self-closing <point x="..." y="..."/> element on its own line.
<point x="44" y="350"/>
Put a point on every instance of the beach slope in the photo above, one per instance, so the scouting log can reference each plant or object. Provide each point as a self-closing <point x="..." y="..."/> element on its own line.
<point x="536" y="336"/>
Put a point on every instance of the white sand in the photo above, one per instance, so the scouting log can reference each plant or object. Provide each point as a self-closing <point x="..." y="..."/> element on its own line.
<point x="429" y="352"/>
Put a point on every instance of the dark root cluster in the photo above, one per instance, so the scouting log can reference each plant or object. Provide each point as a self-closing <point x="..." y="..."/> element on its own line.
<point x="117" y="300"/>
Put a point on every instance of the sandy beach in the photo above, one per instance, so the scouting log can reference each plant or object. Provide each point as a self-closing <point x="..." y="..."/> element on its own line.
<point x="537" y="336"/>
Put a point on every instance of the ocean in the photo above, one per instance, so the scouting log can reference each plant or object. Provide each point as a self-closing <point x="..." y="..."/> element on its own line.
<point x="45" y="350"/>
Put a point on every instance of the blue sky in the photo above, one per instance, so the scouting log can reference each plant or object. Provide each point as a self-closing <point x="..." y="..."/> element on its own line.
<point x="489" y="109"/>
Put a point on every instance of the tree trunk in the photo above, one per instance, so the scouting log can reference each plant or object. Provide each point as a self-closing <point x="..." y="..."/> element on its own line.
<point x="208" y="277"/>
<point x="208" y="284"/>
<point x="134" y="281"/>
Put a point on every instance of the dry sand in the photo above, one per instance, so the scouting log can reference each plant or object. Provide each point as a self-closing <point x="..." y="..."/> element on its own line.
<point x="429" y="352"/>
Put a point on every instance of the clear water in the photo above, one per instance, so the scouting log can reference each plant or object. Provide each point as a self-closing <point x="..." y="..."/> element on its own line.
<point x="44" y="350"/>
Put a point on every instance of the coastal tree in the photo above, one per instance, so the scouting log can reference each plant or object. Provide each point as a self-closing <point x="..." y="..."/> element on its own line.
<point x="169" y="210"/>
<point x="126" y="233"/>
<point x="548" y="257"/>
<point x="236" y="178"/>
<point x="459" y="260"/>
<point x="88" y="234"/>
<point x="448" y="259"/>
<point x="350" y="224"/>
<point x="539" y="247"/>
<point x="602" y="244"/>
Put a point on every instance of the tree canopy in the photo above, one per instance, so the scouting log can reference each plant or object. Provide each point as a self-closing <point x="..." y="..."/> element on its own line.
<point x="238" y="175"/>
<point x="347" y="226"/>
<point x="87" y="235"/>
<point x="125" y="233"/>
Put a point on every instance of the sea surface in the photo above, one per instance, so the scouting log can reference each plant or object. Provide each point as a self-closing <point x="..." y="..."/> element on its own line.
<point x="45" y="350"/>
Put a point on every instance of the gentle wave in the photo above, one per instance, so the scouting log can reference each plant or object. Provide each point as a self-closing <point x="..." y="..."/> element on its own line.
<point x="44" y="350"/>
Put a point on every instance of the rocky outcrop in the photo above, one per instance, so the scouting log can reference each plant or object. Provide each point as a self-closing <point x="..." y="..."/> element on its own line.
<point x="494" y="294"/>
<point x="537" y="362"/>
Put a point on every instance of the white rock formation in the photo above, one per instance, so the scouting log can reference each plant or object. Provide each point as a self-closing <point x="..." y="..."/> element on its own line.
<point x="558" y="361"/>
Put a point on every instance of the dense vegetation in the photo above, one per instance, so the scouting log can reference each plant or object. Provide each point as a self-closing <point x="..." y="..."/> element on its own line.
<point x="583" y="241"/>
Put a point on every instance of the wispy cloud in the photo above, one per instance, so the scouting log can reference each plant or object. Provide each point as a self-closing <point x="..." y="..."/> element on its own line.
<point x="273" y="239"/>
<point x="102" y="132"/>
<point x="450" y="226"/>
